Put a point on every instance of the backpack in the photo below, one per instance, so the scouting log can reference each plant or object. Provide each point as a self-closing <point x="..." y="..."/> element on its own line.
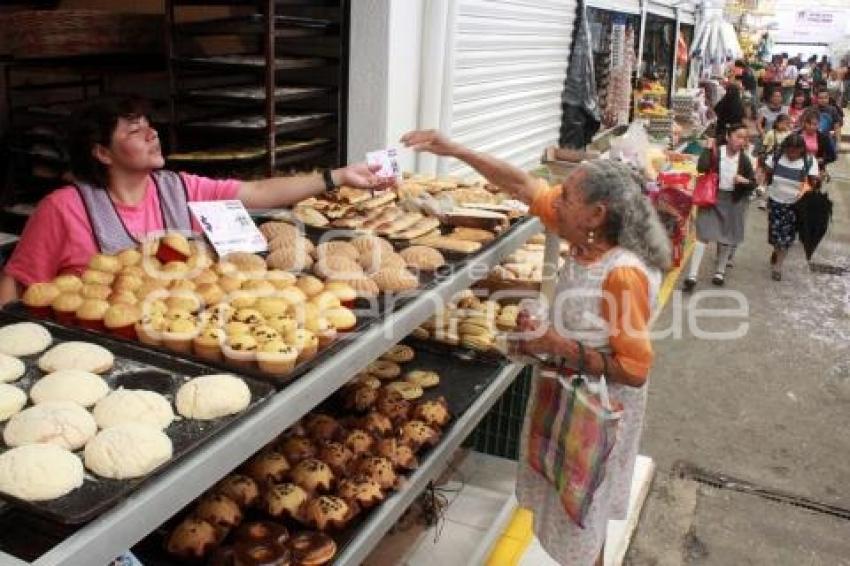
<point x="804" y="172"/>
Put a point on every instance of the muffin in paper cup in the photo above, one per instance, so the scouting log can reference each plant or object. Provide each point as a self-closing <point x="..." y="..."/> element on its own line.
<point x="240" y="351"/>
<point x="207" y="344"/>
<point x="277" y="358"/>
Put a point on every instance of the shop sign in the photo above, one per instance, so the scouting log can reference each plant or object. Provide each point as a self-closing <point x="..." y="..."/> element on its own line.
<point x="811" y="25"/>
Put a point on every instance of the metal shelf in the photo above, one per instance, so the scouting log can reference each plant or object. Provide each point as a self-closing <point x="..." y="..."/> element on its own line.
<point x="371" y="533"/>
<point x="117" y="530"/>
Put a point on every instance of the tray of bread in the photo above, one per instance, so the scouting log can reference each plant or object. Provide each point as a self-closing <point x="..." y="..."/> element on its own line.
<point x="87" y="420"/>
<point x="329" y="471"/>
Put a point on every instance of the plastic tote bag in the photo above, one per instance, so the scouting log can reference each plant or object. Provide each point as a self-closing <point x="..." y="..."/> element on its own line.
<point x="705" y="189"/>
<point x="573" y="427"/>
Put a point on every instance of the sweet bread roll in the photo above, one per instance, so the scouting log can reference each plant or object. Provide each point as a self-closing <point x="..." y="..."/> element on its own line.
<point x="379" y="259"/>
<point x="422" y="378"/>
<point x="219" y="510"/>
<point x="267" y="467"/>
<point x="246" y="262"/>
<point x="313" y="475"/>
<point x="105" y="263"/>
<point x="359" y="441"/>
<point x="367" y="243"/>
<point x="392" y="280"/>
<point x="378" y="469"/>
<point x="433" y="412"/>
<point x="263" y="544"/>
<point x="362" y="285"/>
<point x="241" y="489"/>
<point x="192" y="539"/>
<point x="418" y="230"/>
<point x="297" y="448"/>
<point x="408" y="390"/>
<point x="401" y="455"/>
<point x="274" y="230"/>
<point x="328" y="512"/>
<point x="423" y="257"/>
<point x="336" y="248"/>
<point x="399" y="354"/>
<point x="418" y="434"/>
<point x="338" y="267"/>
<point x="285" y="500"/>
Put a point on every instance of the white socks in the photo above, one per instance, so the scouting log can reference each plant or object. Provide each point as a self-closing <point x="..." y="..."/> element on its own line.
<point x="696" y="260"/>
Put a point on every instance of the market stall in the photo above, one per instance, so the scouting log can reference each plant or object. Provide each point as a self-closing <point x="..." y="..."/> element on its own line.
<point x="613" y="39"/>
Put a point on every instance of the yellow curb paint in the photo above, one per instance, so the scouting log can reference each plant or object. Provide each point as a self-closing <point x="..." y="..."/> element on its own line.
<point x="516" y="537"/>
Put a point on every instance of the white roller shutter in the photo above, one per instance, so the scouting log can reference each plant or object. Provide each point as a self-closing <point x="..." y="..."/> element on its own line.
<point x="622" y="6"/>
<point x="508" y="69"/>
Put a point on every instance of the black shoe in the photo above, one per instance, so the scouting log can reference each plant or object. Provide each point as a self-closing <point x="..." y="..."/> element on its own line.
<point x="689" y="285"/>
<point x="776" y="275"/>
<point x="718" y="279"/>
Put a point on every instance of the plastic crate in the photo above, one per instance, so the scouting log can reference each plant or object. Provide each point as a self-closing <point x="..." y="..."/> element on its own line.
<point x="498" y="433"/>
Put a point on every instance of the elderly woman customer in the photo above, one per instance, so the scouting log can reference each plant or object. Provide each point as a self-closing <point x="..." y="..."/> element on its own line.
<point x="606" y="294"/>
<point x="723" y="223"/>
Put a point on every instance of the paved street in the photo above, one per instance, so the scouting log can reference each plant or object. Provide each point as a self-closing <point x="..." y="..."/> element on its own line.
<point x="771" y="409"/>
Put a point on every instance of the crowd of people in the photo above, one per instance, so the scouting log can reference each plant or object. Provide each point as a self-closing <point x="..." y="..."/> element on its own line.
<point x="773" y="148"/>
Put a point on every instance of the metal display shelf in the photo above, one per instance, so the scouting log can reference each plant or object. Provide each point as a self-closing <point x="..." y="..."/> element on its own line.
<point x="371" y="533"/>
<point x="109" y="535"/>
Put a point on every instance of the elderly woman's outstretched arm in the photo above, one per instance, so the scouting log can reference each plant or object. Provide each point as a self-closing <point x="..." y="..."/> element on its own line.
<point x="515" y="181"/>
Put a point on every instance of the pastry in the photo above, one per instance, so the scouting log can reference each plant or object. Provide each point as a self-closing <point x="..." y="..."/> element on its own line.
<point x="367" y="244"/>
<point x="311" y="286"/>
<point x="305" y="342"/>
<point x="337" y="456"/>
<point x="80" y="387"/>
<point x="336" y="248"/>
<point x="381" y="200"/>
<point x="290" y="259"/>
<point x="258" y="287"/>
<point x="280" y="279"/>
<point x="376" y="424"/>
<point x="207" y="344"/>
<point x="261" y="543"/>
<point x="276" y="357"/>
<point x="183" y="301"/>
<point x="383" y="369"/>
<point x="328" y="512"/>
<point x="274" y="230"/>
<point x="39" y="472"/>
<point x="343" y="291"/>
<point x="475" y="218"/>
<point x="126" y="451"/>
<point x="263" y="333"/>
<point x="240" y="351"/>
<point x="263" y="531"/>
<point x="209" y="397"/>
<point x="401" y="455"/>
<point x="192" y="539"/>
<point x="422" y="378"/>
<point x="341" y="318"/>
<point x="240" y="488"/>
<point x="399" y="354"/>
<point x="105" y="263"/>
<point x="359" y="398"/>
<point x="246" y="262"/>
<point x="423" y="258"/>
<point x="310" y="216"/>
<point x="219" y="511"/>
<point x="312" y="549"/>
<point x="395" y="280"/>
<point x="12" y="400"/>
<point x="77" y="355"/>
<point x="297" y="448"/>
<point x="240" y="300"/>
<point x="473" y="234"/>
<point x="321" y="427"/>
<point x="313" y="475"/>
<point x="337" y="267"/>
<point x="128" y="283"/>
<point x="123" y="298"/>
<point x="179" y="334"/>
<point x="421" y="228"/>
<point x="96" y="291"/>
<point x="362" y="285"/>
<point x="267" y="467"/>
<point x="359" y="441"/>
<point x="24" y="339"/>
<point x="38" y="297"/>
<point x="11" y="368"/>
<point x="133" y="406"/>
<point x="285" y="500"/>
<point x="121" y="320"/>
<point x="293" y="295"/>
<point x="392" y="404"/>
<point x="65" y="307"/>
<point x="149" y="329"/>
<point x="90" y="314"/>
<point x="418" y="434"/>
<point x="379" y="259"/>
<point x="367" y="380"/>
<point x="409" y="391"/>
<point x="173" y="247"/>
<point x="447" y="243"/>
<point x="362" y="490"/>
<point x="379" y="470"/>
<point x="433" y="412"/>
<point x="68" y="283"/>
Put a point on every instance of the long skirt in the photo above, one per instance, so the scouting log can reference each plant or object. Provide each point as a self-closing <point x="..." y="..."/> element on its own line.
<point x="725" y="222"/>
<point x="782" y="224"/>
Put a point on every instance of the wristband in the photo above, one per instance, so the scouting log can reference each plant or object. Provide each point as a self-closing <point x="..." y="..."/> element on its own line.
<point x="330" y="186"/>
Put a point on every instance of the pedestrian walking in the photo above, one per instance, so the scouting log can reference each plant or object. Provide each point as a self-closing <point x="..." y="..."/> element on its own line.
<point x="799" y="103"/>
<point x="723" y="223"/>
<point x="730" y="110"/>
<point x="791" y="173"/>
<point x="770" y="145"/>
<point x="818" y="144"/>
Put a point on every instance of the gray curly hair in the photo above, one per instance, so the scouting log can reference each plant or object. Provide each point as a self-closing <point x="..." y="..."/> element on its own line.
<point x="631" y="220"/>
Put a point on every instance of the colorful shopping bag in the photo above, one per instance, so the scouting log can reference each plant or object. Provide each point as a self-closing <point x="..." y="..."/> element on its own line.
<point x="573" y="427"/>
<point x="707" y="185"/>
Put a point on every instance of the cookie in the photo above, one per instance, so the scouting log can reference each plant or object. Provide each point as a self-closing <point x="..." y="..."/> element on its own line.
<point x="399" y="354"/>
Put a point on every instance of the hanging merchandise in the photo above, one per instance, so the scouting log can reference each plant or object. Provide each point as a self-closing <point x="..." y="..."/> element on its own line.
<point x="715" y="41"/>
<point x="581" y="118"/>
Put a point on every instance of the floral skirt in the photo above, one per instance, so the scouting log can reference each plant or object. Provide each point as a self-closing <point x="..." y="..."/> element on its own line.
<point x="782" y="224"/>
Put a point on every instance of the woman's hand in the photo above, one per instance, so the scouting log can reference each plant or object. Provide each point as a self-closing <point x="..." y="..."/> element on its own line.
<point x="431" y="141"/>
<point x="362" y="176"/>
<point x="741" y="180"/>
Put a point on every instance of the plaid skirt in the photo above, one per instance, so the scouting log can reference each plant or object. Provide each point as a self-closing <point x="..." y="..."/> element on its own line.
<point x="782" y="224"/>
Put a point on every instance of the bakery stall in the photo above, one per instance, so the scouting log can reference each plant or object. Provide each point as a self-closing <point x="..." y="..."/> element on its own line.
<point x="246" y="460"/>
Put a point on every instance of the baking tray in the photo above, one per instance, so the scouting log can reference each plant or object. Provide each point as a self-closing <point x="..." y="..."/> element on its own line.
<point x="134" y="368"/>
<point x="18" y="310"/>
<point x="461" y="383"/>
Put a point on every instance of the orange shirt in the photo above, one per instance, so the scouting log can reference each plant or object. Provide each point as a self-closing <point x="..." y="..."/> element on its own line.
<point x="628" y="313"/>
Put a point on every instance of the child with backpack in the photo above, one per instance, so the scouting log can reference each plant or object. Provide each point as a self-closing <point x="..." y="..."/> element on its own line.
<point x="791" y="173"/>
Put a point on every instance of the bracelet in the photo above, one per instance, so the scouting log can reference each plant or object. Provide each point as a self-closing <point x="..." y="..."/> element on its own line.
<point x="330" y="186"/>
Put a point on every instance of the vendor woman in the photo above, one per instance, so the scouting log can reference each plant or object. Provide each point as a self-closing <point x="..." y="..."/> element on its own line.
<point x="605" y="297"/>
<point x="122" y="194"/>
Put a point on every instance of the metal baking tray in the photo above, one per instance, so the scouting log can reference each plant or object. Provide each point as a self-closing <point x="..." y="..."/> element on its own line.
<point x="134" y="368"/>
<point x="461" y="383"/>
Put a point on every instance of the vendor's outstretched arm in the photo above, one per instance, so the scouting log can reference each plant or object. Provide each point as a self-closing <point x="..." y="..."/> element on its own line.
<point x="8" y="289"/>
<point x="286" y="191"/>
<point x="515" y="181"/>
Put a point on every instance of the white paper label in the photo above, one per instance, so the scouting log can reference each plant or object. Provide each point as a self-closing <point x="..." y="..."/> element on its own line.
<point x="388" y="160"/>
<point x="228" y="226"/>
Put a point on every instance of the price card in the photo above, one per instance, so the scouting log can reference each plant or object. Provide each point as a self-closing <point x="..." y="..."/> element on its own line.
<point x="228" y="226"/>
<point x="388" y="160"/>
